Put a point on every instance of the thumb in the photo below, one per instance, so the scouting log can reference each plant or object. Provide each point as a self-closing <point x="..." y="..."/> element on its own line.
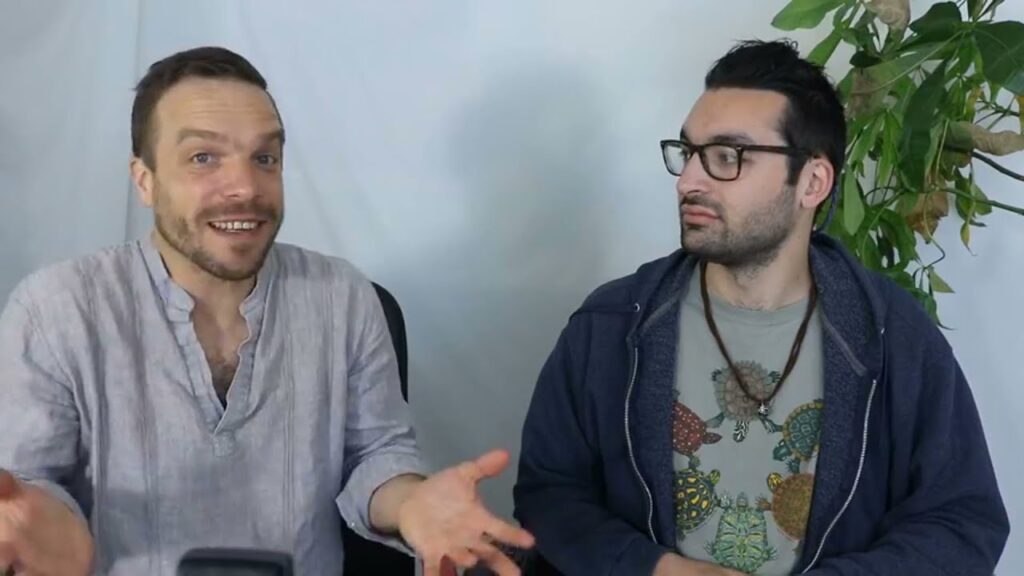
<point x="492" y="463"/>
<point x="9" y="487"/>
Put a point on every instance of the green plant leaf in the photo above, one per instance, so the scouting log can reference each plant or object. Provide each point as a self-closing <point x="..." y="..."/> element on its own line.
<point x="823" y="51"/>
<point x="937" y="283"/>
<point x="904" y="279"/>
<point x="853" y="204"/>
<point x="965" y="234"/>
<point x="870" y="255"/>
<point x="1001" y="45"/>
<point x="866" y="140"/>
<point x="974" y="8"/>
<point x="941" y="21"/>
<point x="886" y="73"/>
<point x="804" y="13"/>
<point x="890" y="140"/>
<point x="916" y="144"/>
<point x="842" y="13"/>
<point x="964" y="57"/>
<point x="862" y="59"/>
<point x="984" y="208"/>
<point x="885" y="248"/>
<point x="897" y="230"/>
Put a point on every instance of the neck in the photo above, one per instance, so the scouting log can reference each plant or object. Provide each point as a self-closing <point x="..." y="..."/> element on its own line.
<point x="214" y="297"/>
<point x="784" y="280"/>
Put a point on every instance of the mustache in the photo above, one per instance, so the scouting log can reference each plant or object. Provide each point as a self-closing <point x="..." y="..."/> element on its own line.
<point x="701" y="201"/>
<point x="261" y="211"/>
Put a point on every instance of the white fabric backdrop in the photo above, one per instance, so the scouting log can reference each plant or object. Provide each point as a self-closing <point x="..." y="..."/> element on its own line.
<point x="489" y="162"/>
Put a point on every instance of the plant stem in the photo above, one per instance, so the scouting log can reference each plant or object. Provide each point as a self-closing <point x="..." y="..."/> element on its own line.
<point x="1000" y="118"/>
<point x="1000" y="108"/>
<point x="992" y="203"/>
<point x="1006" y="171"/>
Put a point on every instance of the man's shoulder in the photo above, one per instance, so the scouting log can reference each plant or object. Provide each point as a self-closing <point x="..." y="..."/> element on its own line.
<point x="80" y="278"/>
<point x="625" y="292"/>
<point x="310" y="265"/>
<point x="908" y="325"/>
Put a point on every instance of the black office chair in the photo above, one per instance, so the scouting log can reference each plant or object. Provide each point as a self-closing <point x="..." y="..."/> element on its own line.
<point x="396" y="326"/>
<point x="363" y="557"/>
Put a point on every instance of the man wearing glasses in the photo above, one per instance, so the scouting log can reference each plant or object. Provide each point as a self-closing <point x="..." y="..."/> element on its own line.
<point x="757" y="402"/>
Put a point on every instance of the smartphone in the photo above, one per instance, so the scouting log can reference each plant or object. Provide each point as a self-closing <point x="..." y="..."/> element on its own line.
<point x="234" y="562"/>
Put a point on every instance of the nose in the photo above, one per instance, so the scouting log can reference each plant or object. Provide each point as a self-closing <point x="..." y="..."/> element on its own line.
<point x="693" y="179"/>
<point x="241" y="181"/>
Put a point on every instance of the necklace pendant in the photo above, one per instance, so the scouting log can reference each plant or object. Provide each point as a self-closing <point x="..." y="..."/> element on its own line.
<point x="763" y="409"/>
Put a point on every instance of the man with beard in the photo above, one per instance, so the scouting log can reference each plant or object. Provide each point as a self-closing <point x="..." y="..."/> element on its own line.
<point x="757" y="402"/>
<point x="208" y="387"/>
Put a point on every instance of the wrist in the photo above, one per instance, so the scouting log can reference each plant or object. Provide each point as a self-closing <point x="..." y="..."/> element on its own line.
<point x="388" y="503"/>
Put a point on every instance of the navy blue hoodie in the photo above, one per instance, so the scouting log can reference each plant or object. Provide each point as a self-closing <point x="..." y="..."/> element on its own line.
<point x="904" y="483"/>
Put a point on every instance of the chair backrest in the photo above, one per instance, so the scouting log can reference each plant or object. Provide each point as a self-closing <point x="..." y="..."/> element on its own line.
<point x="396" y="325"/>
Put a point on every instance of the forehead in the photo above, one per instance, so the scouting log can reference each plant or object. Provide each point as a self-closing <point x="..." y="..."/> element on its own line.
<point x="230" y="107"/>
<point x="756" y="114"/>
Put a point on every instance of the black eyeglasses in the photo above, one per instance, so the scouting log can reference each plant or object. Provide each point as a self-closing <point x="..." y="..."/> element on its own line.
<point x="721" y="161"/>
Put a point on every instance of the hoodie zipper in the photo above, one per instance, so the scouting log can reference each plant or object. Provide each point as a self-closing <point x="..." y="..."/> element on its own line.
<point x="629" y="446"/>
<point x="856" y="479"/>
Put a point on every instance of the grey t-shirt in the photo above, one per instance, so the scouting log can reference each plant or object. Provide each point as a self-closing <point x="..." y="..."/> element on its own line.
<point x="743" y="482"/>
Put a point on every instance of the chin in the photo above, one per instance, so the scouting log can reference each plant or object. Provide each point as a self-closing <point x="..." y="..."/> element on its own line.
<point x="232" y="268"/>
<point x="235" y="274"/>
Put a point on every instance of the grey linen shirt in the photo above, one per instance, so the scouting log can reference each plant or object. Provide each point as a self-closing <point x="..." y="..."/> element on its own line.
<point x="106" y="400"/>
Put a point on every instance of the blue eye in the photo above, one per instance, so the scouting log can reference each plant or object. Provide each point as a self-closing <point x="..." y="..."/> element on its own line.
<point x="202" y="158"/>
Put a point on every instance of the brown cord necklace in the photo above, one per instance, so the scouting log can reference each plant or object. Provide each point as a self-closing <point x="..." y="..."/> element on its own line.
<point x="764" y="404"/>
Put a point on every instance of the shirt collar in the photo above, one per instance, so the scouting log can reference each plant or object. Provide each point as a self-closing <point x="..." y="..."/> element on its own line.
<point x="178" y="303"/>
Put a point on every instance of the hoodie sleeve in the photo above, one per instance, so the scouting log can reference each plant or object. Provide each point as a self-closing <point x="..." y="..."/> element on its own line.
<point x="559" y="495"/>
<point x="947" y="517"/>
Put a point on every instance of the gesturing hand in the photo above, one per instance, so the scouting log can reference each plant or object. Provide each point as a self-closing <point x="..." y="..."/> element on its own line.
<point x="444" y="517"/>
<point x="39" y="534"/>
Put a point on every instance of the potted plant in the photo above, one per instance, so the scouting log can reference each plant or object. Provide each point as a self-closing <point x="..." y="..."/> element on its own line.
<point x="926" y="100"/>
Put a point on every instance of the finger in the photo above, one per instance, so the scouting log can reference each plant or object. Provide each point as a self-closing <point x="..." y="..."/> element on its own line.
<point x="8" y="485"/>
<point x="495" y="559"/>
<point x="448" y="567"/>
<point x="504" y="532"/>
<point x="6" y="559"/>
<point x="463" y="558"/>
<point x="432" y="567"/>
<point x="492" y="463"/>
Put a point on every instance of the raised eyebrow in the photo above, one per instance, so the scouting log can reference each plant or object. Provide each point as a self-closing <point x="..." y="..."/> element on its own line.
<point x="272" y="136"/>
<point x="186" y="133"/>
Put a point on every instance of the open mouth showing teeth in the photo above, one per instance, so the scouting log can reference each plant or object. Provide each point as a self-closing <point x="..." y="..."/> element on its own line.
<point x="235" y="225"/>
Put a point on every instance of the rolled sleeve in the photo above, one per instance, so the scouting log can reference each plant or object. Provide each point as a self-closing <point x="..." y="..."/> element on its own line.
<point x="380" y="443"/>
<point x="371" y="474"/>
